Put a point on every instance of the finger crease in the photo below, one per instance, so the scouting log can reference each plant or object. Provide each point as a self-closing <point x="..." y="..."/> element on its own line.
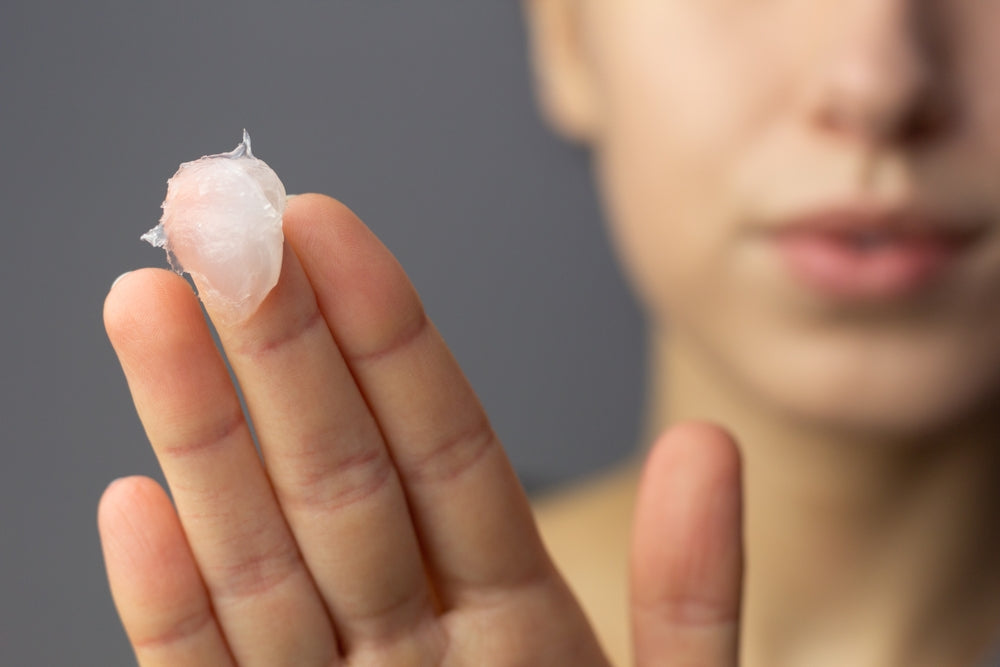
<point x="211" y="438"/>
<point x="453" y="457"/>
<point x="255" y="575"/>
<point x="516" y="585"/>
<point x="387" y="622"/>
<point x="346" y="482"/>
<point x="179" y="631"/>
<point x="401" y="340"/>
<point x="686" y="612"/>
<point x="294" y="333"/>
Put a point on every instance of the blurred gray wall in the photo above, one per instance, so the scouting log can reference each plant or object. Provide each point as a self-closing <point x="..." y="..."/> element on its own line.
<point x="417" y="114"/>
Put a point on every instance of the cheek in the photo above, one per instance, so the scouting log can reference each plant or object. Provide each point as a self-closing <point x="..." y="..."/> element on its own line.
<point x="689" y="92"/>
<point x="897" y="381"/>
<point x="666" y="232"/>
<point x="673" y="139"/>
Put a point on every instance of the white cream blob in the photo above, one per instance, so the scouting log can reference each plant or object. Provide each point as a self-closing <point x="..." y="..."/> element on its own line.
<point x="221" y="223"/>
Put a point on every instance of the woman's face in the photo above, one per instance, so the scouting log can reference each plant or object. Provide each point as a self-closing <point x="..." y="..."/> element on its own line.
<point x="719" y="126"/>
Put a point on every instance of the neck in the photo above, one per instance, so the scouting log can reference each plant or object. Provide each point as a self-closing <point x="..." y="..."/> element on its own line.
<point x="884" y="550"/>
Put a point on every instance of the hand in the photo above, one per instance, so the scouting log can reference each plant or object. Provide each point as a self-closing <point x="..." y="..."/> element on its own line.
<point x="382" y="523"/>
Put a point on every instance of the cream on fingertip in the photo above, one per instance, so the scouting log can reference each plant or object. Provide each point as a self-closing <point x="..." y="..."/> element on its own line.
<point x="221" y="224"/>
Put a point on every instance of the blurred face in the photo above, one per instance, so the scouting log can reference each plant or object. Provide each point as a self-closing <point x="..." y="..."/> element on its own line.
<point x="809" y="193"/>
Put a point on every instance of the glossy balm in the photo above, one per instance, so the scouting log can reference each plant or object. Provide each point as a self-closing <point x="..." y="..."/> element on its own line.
<point x="221" y="224"/>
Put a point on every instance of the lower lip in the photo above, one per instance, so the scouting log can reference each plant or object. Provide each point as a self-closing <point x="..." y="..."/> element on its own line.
<point x="839" y="268"/>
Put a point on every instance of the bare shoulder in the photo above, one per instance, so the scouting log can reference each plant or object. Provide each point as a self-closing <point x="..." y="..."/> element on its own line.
<point x="586" y="528"/>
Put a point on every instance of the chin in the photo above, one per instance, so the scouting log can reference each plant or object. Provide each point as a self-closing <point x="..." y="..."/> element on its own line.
<point x="924" y="398"/>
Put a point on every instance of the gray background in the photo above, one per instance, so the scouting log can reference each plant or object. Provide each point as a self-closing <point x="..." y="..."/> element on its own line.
<point x="418" y="114"/>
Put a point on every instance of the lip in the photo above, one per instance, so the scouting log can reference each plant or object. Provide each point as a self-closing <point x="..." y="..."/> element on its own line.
<point x="919" y="249"/>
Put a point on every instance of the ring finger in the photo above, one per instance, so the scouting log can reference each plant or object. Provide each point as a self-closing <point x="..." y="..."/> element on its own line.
<point x="332" y="472"/>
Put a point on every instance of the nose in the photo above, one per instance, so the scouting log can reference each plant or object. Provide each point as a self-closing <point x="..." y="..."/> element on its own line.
<point x="883" y="79"/>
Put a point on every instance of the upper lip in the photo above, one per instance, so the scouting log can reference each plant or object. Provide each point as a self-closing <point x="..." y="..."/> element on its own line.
<point x="910" y="221"/>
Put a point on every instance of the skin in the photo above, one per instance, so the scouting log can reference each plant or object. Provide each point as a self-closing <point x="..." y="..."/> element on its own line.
<point x="383" y="524"/>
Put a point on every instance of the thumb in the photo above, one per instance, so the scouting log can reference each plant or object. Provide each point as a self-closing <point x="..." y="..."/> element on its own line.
<point x="686" y="565"/>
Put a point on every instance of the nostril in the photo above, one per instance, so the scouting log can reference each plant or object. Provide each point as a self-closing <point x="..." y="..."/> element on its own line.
<point x="928" y="120"/>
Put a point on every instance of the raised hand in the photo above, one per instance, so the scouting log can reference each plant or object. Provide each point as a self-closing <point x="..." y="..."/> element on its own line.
<point x="382" y="523"/>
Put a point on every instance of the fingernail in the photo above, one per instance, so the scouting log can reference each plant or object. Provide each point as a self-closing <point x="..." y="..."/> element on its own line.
<point x="119" y="278"/>
<point x="289" y="198"/>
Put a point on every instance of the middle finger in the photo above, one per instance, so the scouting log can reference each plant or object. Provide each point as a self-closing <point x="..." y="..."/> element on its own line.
<point x="329" y="466"/>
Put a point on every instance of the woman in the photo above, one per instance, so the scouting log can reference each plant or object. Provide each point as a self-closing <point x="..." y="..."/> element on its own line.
<point x="804" y="196"/>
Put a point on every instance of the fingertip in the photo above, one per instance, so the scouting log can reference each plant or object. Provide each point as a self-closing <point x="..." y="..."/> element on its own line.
<point x="144" y="546"/>
<point x="315" y="205"/>
<point x="363" y="291"/>
<point x="692" y="481"/>
<point x="311" y="216"/>
<point x="141" y="302"/>
<point x="118" y="487"/>
<point x="137" y="524"/>
<point x="124" y="497"/>
<point x="318" y="224"/>
<point x="129" y="489"/>
<point x="703" y="445"/>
